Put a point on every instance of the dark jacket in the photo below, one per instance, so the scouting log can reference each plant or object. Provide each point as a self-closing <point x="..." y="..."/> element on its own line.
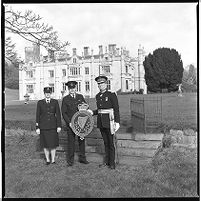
<point x="48" y="115"/>
<point x="70" y="106"/>
<point x="106" y="101"/>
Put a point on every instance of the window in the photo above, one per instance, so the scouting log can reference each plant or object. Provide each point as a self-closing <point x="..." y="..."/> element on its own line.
<point x="86" y="70"/>
<point x="52" y="86"/>
<point x="109" y="85"/>
<point x="64" y="86"/>
<point x="87" y="86"/>
<point x="127" y="84"/>
<point x="78" y="87"/>
<point x="106" y="69"/>
<point x="74" y="60"/>
<point x="74" y="71"/>
<point x="51" y="72"/>
<point x="126" y="69"/>
<point x="29" y="88"/>
<point x="64" y="72"/>
<point x="29" y="74"/>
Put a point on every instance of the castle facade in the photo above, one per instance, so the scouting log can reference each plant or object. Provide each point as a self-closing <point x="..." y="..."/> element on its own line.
<point x="125" y="73"/>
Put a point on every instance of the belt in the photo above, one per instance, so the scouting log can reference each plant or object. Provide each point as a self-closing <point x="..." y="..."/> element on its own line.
<point x="105" y="111"/>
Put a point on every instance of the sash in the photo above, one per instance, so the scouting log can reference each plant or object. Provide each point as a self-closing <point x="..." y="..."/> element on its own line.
<point x="111" y="117"/>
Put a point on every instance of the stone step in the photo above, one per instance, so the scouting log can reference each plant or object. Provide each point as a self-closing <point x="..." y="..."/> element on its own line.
<point x="148" y="136"/>
<point x="126" y="136"/>
<point x="99" y="158"/>
<point x="138" y="144"/>
<point x="126" y="160"/>
<point x="124" y="151"/>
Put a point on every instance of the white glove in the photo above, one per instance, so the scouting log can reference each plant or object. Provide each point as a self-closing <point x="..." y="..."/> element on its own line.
<point x="70" y="124"/>
<point x="58" y="130"/>
<point x="117" y="126"/>
<point x="90" y="111"/>
<point x="38" y="131"/>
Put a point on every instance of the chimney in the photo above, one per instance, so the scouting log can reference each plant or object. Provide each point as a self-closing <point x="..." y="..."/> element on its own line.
<point x="74" y="51"/>
<point x="86" y="52"/>
<point x="112" y="48"/>
<point x="100" y="49"/>
<point x="117" y="51"/>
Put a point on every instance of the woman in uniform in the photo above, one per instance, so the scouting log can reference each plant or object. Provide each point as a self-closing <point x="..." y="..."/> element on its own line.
<point x="48" y="124"/>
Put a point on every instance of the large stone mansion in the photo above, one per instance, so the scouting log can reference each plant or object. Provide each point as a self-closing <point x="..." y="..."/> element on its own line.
<point x="125" y="73"/>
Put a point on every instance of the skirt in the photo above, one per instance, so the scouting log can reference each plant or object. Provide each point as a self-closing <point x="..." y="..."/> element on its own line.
<point x="49" y="138"/>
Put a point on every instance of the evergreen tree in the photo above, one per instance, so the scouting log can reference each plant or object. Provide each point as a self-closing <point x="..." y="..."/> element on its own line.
<point x="163" y="70"/>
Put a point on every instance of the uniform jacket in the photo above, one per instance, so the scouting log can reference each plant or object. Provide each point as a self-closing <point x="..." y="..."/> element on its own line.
<point x="48" y="115"/>
<point x="70" y="106"/>
<point x="106" y="100"/>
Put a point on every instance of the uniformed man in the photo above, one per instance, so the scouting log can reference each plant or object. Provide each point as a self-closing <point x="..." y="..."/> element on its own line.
<point x="69" y="108"/>
<point x="48" y="124"/>
<point x="108" y="119"/>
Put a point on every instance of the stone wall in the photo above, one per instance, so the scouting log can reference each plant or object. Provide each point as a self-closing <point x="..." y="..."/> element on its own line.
<point x="185" y="138"/>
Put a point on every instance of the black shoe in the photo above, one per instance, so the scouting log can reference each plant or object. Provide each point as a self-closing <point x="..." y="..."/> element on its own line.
<point x="112" y="167"/>
<point x="103" y="165"/>
<point x="84" y="162"/>
<point x="53" y="162"/>
<point x="47" y="163"/>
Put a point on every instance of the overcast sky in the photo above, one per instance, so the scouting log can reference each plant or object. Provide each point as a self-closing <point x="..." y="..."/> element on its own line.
<point x="152" y="25"/>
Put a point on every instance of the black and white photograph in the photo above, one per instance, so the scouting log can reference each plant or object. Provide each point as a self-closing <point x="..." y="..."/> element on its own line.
<point x="100" y="100"/>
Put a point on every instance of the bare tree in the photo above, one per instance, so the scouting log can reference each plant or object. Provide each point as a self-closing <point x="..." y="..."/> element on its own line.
<point x="28" y="25"/>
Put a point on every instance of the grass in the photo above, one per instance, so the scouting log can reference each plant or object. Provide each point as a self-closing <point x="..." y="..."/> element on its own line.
<point x="177" y="112"/>
<point x="172" y="173"/>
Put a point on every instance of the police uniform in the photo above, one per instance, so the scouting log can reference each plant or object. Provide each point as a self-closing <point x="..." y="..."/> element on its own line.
<point x="107" y="102"/>
<point x="69" y="108"/>
<point x="48" y="119"/>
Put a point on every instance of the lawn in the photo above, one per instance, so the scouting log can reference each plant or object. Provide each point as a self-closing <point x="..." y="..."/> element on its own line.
<point x="172" y="173"/>
<point x="177" y="112"/>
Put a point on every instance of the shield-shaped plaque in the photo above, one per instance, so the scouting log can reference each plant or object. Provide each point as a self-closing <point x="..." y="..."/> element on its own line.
<point x="82" y="123"/>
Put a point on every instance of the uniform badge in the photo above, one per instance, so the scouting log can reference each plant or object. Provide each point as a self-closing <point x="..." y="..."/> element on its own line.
<point x="82" y="121"/>
<point x="106" y="98"/>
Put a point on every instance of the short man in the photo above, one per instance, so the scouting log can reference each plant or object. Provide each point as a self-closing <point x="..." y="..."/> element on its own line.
<point x="69" y="108"/>
<point x="108" y="119"/>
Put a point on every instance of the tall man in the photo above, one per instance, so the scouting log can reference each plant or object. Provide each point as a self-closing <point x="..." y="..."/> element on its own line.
<point x="108" y="119"/>
<point x="68" y="108"/>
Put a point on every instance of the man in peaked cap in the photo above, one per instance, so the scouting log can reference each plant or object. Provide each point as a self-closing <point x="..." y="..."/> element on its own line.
<point x="108" y="119"/>
<point x="69" y="108"/>
<point x="47" y="90"/>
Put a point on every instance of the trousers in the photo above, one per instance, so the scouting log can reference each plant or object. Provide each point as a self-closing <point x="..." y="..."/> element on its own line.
<point x="71" y="147"/>
<point x="109" y="146"/>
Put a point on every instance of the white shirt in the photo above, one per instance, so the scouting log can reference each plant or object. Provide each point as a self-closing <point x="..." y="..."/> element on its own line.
<point x="48" y="100"/>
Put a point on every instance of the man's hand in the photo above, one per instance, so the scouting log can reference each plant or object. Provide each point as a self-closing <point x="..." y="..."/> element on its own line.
<point x="58" y="130"/>
<point x="117" y="126"/>
<point x="70" y="124"/>
<point x="90" y="111"/>
<point x="38" y="131"/>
